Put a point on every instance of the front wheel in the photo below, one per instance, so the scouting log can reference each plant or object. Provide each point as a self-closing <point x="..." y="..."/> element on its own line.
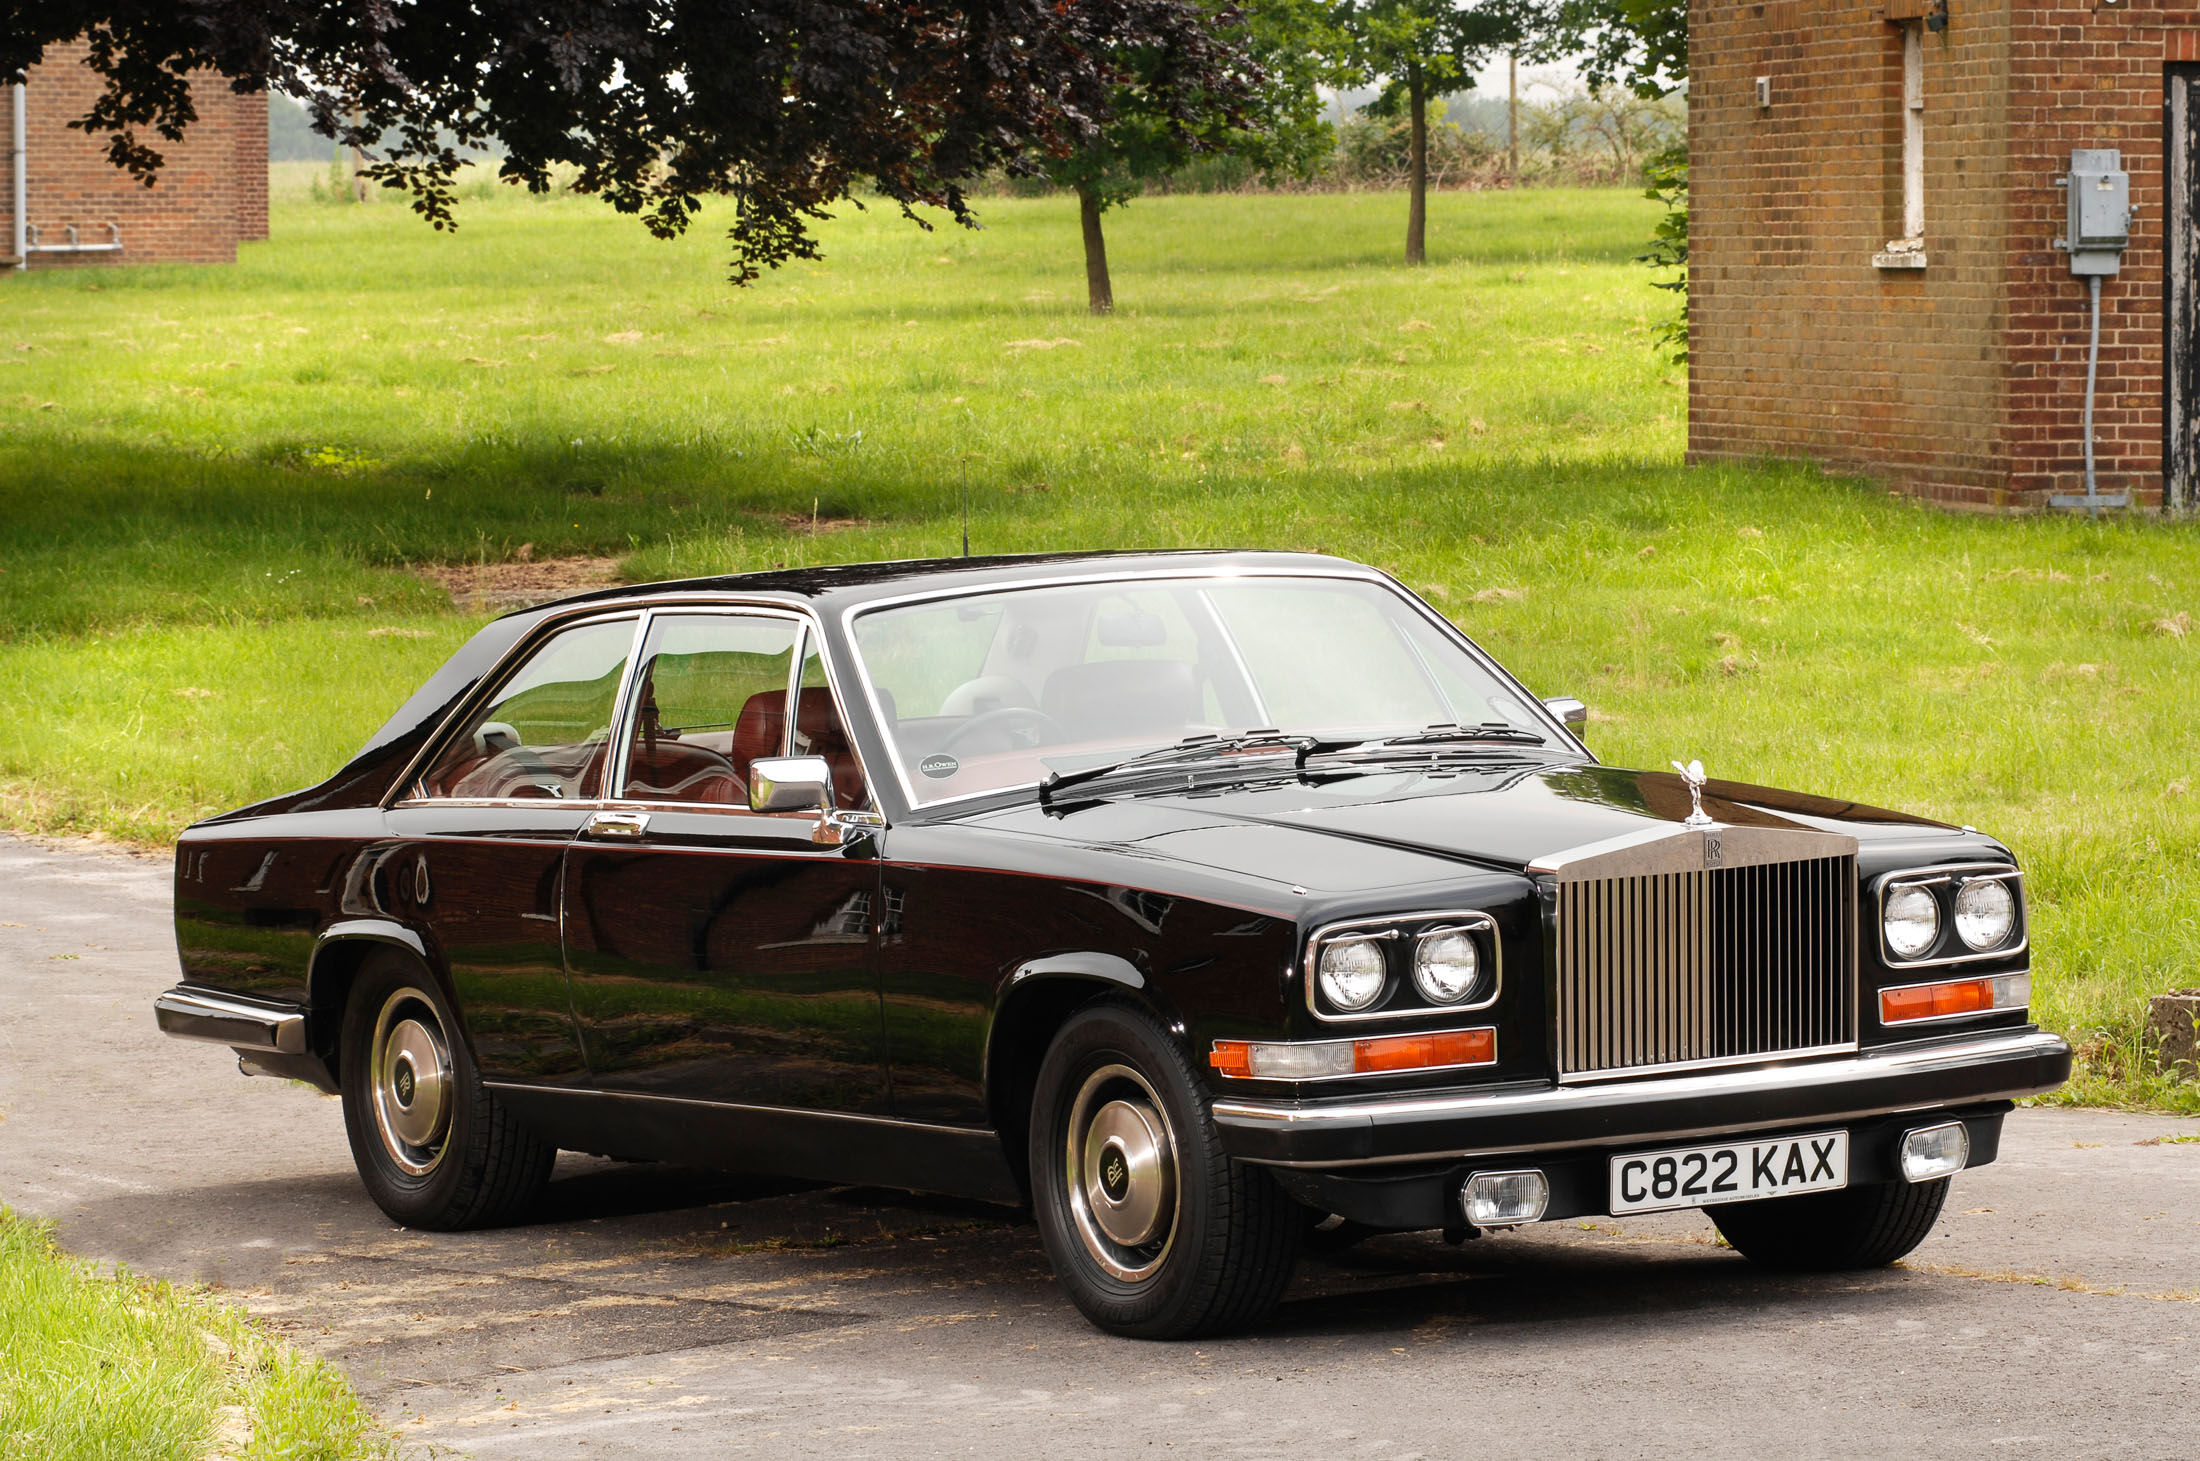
<point x="1823" y="1232"/>
<point x="1153" y="1231"/>
<point x="433" y="1147"/>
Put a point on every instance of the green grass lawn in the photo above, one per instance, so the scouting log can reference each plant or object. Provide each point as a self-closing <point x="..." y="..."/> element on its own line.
<point x="112" y="1366"/>
<point x="214" y="480"/>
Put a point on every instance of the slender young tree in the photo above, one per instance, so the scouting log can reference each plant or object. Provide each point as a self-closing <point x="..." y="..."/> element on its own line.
<point x="786" y="106"/>
<point x="1267" y="111"/>
<point x="1421" y="49"/>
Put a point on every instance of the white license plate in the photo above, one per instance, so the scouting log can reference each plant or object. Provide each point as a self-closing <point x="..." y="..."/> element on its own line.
<point x="1736" y="1171"/>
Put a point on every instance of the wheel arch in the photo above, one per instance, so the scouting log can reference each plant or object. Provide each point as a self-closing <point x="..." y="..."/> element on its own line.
<point x="339" y="954"/>
<point x="1035" y="1002"/>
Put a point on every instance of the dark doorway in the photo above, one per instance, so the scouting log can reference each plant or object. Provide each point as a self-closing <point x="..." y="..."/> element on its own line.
<point x="2181" y="291"/>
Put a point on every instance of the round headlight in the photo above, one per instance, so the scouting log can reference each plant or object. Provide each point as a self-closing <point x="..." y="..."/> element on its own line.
<point x="1352" y="973"/>
<point x="1912" y="921"/>
<point x="1986" y="912"/>
<point x="1445" y="966"/>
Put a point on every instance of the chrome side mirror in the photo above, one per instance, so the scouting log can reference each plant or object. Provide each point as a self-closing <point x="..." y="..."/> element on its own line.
<point x="1571" y="713"/>
<point x="790" y="784"/>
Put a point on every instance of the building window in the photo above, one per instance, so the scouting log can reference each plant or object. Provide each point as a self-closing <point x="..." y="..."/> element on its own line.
<point x="1908" y="251"/>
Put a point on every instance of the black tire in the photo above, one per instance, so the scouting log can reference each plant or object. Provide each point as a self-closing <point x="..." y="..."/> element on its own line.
<point x="1824" y="1232"/>
<point x="471" y="1165"/>
<point x="1224" y="1235"/>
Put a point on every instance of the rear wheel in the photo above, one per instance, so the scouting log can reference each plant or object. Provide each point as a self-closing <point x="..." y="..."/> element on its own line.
<point x="1154" y="1232"/>
<point x="1856" y="1227"/>
<point x="433" y="1147"/>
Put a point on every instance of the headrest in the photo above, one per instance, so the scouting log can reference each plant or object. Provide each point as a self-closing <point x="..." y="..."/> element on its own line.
<point x="1122" y="697"/>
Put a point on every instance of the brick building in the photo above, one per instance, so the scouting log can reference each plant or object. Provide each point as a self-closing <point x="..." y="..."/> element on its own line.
<point x="1874" y="210"/>
<point x="211" y="194"/>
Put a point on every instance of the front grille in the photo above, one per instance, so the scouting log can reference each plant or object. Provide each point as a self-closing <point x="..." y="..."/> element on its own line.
<point x="1723" y="965"/>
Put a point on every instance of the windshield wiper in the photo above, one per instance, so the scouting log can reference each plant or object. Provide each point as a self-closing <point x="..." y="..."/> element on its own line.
<point x="1488" y="730"/>
<point x="1193" y="749"/>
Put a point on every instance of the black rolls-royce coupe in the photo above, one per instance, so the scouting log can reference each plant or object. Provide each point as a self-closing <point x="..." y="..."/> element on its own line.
<point x="1197" y="899"/>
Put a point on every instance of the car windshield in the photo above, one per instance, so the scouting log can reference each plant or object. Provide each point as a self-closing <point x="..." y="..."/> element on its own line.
<point x="996" y="690"/>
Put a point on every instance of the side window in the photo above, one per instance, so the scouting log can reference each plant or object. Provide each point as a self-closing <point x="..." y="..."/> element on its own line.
<point x="710" y="698"/>
<point x="546" y="732"/>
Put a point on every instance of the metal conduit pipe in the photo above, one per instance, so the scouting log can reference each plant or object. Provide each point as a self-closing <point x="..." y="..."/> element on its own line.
<point x="113" y="245"/>
<point x="20" y="173"/>
<point x="2092" y="371"/>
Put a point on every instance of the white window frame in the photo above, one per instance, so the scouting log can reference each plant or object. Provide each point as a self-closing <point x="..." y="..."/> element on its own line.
<point x="1908" y="251"/>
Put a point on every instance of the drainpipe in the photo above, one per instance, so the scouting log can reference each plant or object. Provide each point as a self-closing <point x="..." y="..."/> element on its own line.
<point x="20" y="172"/>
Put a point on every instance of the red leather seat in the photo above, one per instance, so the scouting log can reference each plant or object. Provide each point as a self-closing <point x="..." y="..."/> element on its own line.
<point x="662" y="768"/>
<point x="761" y="731"/>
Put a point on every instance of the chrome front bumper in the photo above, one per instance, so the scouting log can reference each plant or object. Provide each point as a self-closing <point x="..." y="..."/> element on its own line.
<point x="1373" y="1131"/>
<point x="228" y="1019"/>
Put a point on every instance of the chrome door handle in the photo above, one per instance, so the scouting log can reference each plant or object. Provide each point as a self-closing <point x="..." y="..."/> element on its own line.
<point x="624" y="825"/>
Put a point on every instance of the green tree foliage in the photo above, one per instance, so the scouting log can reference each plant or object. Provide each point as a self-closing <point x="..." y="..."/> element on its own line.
<point x="1163" y="113"/>
<point x="1667" y="176"/>
<point x="787" y="106"/>
<point x="1421" y="49"/>
<point x="1642" y="44"/>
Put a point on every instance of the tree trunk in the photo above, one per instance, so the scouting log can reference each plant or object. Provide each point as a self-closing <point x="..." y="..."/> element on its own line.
<point x="1417" y="170"/>
<point x="1099" y="292"/>
<point x="1512" y="119"/>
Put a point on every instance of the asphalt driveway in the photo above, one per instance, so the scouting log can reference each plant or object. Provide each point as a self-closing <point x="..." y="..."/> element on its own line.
<point x="670" y="1313"/>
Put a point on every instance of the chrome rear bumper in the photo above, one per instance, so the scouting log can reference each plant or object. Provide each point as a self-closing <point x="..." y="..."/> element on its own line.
<point x="228" y="1019"/>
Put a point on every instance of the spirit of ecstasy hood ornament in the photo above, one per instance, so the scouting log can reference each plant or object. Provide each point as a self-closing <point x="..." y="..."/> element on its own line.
<point x="1693" y="778"/>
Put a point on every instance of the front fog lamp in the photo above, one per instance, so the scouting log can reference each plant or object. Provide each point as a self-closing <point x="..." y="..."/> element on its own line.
<point x="1911" y="921"/>
<point x="1445" y="966"/>
<point x="1352" y="973"/>
<point x="1932" y="1152"/>
<point x="1505" y="1199"/>
<point x="1986" y="914"/>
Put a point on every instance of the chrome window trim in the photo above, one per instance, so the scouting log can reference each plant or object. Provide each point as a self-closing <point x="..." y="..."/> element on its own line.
<point x="1471" y="920"/>
<point x="1368" y="1075"/>
<point x="1562" y="737"/>
<point x="1933" y="876"/>
<point x="1879" y="1009"/>
<point x="404" y="790"/>
<point x="515" y="803"/>
<point x="626" y="691"/>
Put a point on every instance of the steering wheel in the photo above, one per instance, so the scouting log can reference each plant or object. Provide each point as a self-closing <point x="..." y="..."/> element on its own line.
<point x="1014" y="727"/>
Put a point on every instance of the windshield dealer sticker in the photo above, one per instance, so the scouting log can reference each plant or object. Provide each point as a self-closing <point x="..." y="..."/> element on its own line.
<point x="939" y="766"/>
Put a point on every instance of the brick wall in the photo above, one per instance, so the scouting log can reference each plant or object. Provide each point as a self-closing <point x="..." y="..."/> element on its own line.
<point x="2088" y="77"/>
<point x="211" y="193"/>
<point x="1800" y="346"/>
<point x="1962" y="381"/>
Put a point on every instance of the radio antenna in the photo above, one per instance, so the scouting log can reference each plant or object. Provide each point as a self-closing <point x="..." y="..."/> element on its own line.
<point x="964" y="467"/>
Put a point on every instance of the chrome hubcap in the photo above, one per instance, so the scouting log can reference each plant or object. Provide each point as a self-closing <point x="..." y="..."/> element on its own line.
<point x="1121" y="1173"/>
<point x="409" y="1076"/>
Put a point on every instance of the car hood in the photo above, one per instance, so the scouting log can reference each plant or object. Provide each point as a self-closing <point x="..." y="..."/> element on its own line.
<point x="1503" y="816"/>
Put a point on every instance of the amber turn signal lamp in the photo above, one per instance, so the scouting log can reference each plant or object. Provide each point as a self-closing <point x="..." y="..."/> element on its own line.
<point x="1951" y="998"/>
<point x="1377" y="1055"/>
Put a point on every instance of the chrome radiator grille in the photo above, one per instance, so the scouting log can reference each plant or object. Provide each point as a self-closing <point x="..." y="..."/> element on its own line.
<point x="1719" y="965"/>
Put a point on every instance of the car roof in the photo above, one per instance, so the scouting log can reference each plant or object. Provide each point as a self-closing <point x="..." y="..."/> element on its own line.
<point x="842" y="584"/>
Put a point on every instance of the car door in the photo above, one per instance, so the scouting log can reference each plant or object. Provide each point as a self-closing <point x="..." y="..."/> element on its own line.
<point x="716" y="953"/>
<point x="481" y="838"/>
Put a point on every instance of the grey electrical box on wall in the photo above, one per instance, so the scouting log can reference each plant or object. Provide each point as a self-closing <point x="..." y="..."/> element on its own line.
<point x="2099" y="194"/>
